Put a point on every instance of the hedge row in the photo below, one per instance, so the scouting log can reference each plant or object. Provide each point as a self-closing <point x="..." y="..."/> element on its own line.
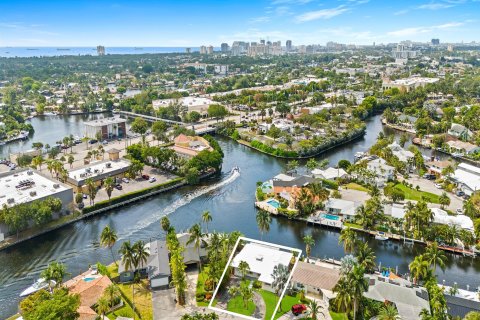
<point x="130" y="195"/>
<point x="270" y="150"/>
<point x="329" y="184"/>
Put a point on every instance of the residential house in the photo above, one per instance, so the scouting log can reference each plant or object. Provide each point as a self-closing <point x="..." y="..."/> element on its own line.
<point x="461" y="221"/>
<point x="378" y="172"/>
<point x="330" y="173"/>
<point x="461" y="132"/>
<point x="261" y="260"/>
<point x="90" y="286"/>
<point x="288" y="187"/>
<point x="436" y="167"/>
<point x="316" y="279"/>
<point x="188" y="147"/>
<point x="409" y="301"/>
<point x="467" y="178"/>
<point x="408" y="122"/>
<point x="343" y="208"/>
<point x="461" y="147"/>
<point x="402" y="154"/>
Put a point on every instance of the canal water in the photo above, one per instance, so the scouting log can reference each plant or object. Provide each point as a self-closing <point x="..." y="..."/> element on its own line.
<point x="229" y="198"/>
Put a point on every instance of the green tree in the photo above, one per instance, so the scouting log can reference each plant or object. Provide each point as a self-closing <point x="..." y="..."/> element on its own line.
<point x="365" y="256"/>
<point x="419" y="268"/>
<point x="348" y="237"/>
<point x="109" y="185"/>
<point x="388" y="312"/>
<point x="309" y="242"/>
<point x="140" y="126"/>
<point x="359" y="284"/>
<point x="206" y="218"/>
<point x="55" y="271"/>
<point x="263" y="222"/>
<point x="244" y="268"/>
<point x="217" y="111"/>
<point x="435" y="256"/>
<point x="444" y="200"/>
<point x="91" y="190"/>
<point x="196" y="237"/>
<point x="112" y="292"/>
<point x="43" y="305"/>
<point x="311" y="164"/>
<point x="165" y="224"/>
<point x="314" y="309"/>
<point x="103" y="306"/>
<point x="108" y="238"/>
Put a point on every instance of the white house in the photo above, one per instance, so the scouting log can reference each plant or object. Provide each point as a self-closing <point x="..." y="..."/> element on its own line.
<point x="460" y="131"/>
<point x="462" y="147"/>
<point x="343" y="208"/>
<point x="402" y="154"/>
<point x="441" y="217"/>
<point x="261" y="260"/>
<point x="467" y="178"/>
<point x="316" y="279"/>
<point x="381" y="170"/>
<point x="330" y="173"/>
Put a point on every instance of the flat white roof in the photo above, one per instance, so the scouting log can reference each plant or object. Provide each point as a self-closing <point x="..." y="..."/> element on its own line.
<point x="99" y="168"/>
<point x="31" y="186"/>
<point x="262" y="259"/>
<point x="104" y="122"/>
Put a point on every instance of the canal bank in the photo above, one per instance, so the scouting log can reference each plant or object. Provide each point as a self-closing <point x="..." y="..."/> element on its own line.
<point x="229" y="199"/>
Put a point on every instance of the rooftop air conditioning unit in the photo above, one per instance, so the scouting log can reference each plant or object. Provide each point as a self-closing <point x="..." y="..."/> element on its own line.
<point x="108" y="165"/>
<point x="10" y="200"/>
<point x="259" y="257"/>
<point x="33" y="193"/>
<point x="56" y="185"/>
<point x="29" y="172"/>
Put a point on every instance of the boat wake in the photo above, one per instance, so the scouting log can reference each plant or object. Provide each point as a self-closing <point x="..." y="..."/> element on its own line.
<point x="184" y="200"/>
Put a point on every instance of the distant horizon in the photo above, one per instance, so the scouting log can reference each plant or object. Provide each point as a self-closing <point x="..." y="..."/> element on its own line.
<point x="145" y="23"/>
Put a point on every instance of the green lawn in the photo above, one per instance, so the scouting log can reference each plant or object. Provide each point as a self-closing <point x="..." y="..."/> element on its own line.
<point x="413" y="194"/>
<point x="271" y="303"/>
<point x="352" y="225"/>
<point x="338" y="316"/>
<point x="124" y="311"/>
<point x="355" y="186"/>
<point x="143" y="298"/>
<point x="236" y="305"/>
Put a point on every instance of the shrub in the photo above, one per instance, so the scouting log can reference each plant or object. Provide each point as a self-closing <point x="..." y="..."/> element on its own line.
<point x="208" y="296"/>
<point x="257" y="284"/>
<point x="208" y="285"/>
<point x="330" y="184"/>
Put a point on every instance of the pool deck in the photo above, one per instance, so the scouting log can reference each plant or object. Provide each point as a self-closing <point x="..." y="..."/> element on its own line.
<point x="318" y="219"/>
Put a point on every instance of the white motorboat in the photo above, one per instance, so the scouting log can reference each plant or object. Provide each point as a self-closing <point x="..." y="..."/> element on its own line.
<point x="381" y="236"/>
<point x="237" y="169"/>
<point x="37" y="286"/>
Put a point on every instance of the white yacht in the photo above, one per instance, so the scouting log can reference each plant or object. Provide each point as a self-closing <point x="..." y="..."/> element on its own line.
<point x="36" y="286"/>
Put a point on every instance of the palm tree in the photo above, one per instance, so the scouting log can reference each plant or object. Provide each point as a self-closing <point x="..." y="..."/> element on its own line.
<point x="263" y="222"/>
<point x="108" y="237"/>
<point x="418" y="268"/>
<point x="280" y="279"/>
<point x="435" y="256"/>
<point x="388" y="312"/>
<point x="365" y="256"/>
<point x="71" y="160"/>
<point x="246" y="293"/>
<point x="140" y="257"/>
<point x="358" y="284"/>
<point x="196" y="237"/>
<point x="206" y="218"/>
<point x="55" y="271"/>
<point x="313" y="309"/>
<point x="348" y="237"/>
<point x="91" y="190"/>
<point x="343" y="300"/>
<point x="103" y="307"/>
<point x="244" y="268"/>
<point x="165" y="223"/>
<point x="444" y="200"/>
<point x="128" y="255"/>
<point x="112" y="292"/>
<point x="109" y="184"/>
<point x="309" y="242"/>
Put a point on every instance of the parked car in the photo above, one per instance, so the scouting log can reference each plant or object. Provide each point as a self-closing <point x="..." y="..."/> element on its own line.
<point x="145" y="176"/>
<point x="92" y="141"/>
<point x="459" y="211"/>
<point x="118" y="187"/>
<point x="152" y="179"/>
<point x="460" y="193"/>
<point x="84" y="196"/>
<point x="298" y="309"/>
<point x="125" y="180"/>
<point x="429" y="176"/>
<point x="438" y="186"/>
<point x="104" y="142"/>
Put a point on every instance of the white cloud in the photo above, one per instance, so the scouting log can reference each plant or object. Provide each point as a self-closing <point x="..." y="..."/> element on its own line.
<point x="425" y="29"/>
<point x="322" y="14"/>
<point x="259" y="20"/>
<point x="435" y="6"/>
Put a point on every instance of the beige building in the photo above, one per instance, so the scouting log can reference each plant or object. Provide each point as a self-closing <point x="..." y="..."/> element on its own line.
<point x="189" y="147"/>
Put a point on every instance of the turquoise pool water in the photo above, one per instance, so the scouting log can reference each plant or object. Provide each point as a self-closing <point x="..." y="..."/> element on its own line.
<point x="88" y="279"/>
<point x="274" y="203"/>
<point x="330" y="217"/>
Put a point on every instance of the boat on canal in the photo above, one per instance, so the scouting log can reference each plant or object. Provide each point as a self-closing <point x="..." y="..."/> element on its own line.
<point x="381" y="236"/>
<point x="38" y="285"/>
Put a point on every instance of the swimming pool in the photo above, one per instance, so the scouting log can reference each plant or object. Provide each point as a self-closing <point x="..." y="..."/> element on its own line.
<point x="330" y="217"/>
<point x="274" y="203"/>
<point x="88" y="279"/>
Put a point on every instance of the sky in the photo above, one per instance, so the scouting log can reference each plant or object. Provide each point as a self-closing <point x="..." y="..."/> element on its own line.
<point x="181" y="23"/>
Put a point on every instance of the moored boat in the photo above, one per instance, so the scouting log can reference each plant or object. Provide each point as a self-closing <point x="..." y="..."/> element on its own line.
<point x="38" y="285"/>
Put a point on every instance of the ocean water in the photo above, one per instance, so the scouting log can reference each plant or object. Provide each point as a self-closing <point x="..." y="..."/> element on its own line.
<point x="74" y="51"/>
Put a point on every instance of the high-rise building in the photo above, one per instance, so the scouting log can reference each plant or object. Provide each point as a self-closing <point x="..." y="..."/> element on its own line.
<point x="210" y="50"/>
<point x="203" y="50"/>
<point x="188" y="50"/>
<point x="101" y="50"/>
<point x="224" y="47"/>
<point x="239" y="48"/>
<point x="404" y="52"/>
<point x="435" y="42"/>
<point x="289" y="45"/>
<point x="262" y="42"/>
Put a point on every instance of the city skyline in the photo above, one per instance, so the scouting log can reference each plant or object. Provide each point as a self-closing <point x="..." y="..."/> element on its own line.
<point x="171" y="24"/>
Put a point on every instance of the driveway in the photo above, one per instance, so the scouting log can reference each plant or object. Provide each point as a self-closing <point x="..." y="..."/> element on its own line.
<point x="429" y="186"/>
